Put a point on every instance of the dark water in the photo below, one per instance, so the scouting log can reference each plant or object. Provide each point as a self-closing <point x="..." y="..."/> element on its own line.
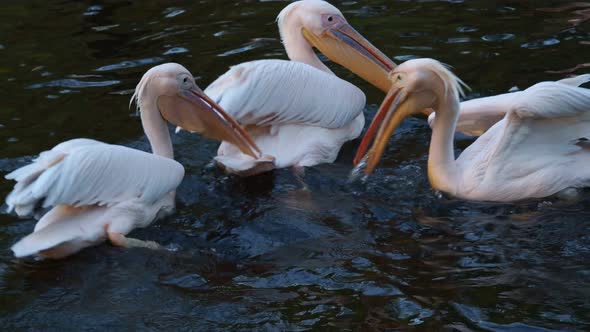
<point x="261" y="253"/>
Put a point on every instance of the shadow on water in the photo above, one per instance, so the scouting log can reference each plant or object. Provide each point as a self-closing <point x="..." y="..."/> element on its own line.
<point x="263" y="253"/>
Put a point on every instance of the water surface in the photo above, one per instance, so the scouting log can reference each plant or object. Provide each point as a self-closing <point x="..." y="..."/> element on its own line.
<point x="262" y="253"/>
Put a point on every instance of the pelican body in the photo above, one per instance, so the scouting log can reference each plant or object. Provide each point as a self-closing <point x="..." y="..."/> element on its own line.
<point x="298" y="112"/>
<point x="98" y="190"/>
<point x="538" y="149"/>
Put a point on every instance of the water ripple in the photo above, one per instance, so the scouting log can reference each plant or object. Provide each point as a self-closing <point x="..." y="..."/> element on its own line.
<point x="168" y="32"/>
<point x="466" y="29"/>
<point x="130" y="64"/>
<point x="189" y="281"/>
<point x="540" y="43"/>
<point x="365" y="11"/>
<point x="498" y="37"/>
<point x="458" y="40"/>
<point x="405" y="309"/>
<point x="73" y="84"/>
<point x="173" y="11"/>
<point x="93" y="10"/>
<point x="417" y="48"/>
<point x="412" y="34"/>
<point x="105" y="27"/>
<point x="175" y="50"/>
<point x="402" y="58"/>
<point x="254" y="44"/>
<point x="328" y="278"/>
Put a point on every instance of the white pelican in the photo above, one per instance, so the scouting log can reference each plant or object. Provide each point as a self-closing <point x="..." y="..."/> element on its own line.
<point x="298" y="111"/>
<point x="101" y="191"/>
<point x="540" y="148"/>
<point x="480" y="114"/>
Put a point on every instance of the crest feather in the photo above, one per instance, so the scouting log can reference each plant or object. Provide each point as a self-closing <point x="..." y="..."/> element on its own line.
<point x="452" y="83"/>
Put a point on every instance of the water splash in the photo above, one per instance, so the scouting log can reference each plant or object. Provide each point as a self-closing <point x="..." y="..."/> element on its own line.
<point x="358" y="172"/>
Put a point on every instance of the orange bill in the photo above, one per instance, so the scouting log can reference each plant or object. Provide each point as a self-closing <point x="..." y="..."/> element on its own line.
<point x="194" y="111"/>
<point x="345" y="46"/>
<point x="390" y="115"/>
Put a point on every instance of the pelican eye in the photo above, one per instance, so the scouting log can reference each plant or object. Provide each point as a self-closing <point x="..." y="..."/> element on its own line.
<point x="395" y="77"/>
<point x="185" y="81"/>
<point x="329" y="20"/>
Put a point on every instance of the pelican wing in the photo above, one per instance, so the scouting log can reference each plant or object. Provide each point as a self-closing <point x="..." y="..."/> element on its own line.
<point x="480" y="114"/>
<point x="270" y="92"/>
<point x="84" y="172"/>
<point x="539" y="146"/>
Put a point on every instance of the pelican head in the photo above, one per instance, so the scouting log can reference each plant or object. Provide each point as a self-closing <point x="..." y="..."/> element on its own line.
<point x="324" y="27"/>
<point x="173" y="91"/>
<point x="416" y="85"/>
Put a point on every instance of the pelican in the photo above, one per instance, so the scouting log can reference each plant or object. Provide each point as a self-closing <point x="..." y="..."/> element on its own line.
<point x="480" y="114"/>
<point x="298" y="112"/>
<point x="100" y="191"/>
<point x="540" y="148"/>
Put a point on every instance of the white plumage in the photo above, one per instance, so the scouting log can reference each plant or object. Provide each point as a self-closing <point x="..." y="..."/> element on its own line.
<point x="296" y="113"/>
<point x="249" y="92"/>
<point x="538" y="149"/>
<point x="89" y="183"/>
<point x="83" y="172"/>
<point x="480" y="114"/>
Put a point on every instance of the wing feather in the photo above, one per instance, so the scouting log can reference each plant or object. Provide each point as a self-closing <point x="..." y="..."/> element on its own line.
<point x="270" y="92"/>
<point x="87" y="172"/>
<point x="480" y="114"/>
<point x="536" y="146"/>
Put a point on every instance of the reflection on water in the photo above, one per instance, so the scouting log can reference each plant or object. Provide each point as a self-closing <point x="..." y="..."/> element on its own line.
<point x="263" y="253"/>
